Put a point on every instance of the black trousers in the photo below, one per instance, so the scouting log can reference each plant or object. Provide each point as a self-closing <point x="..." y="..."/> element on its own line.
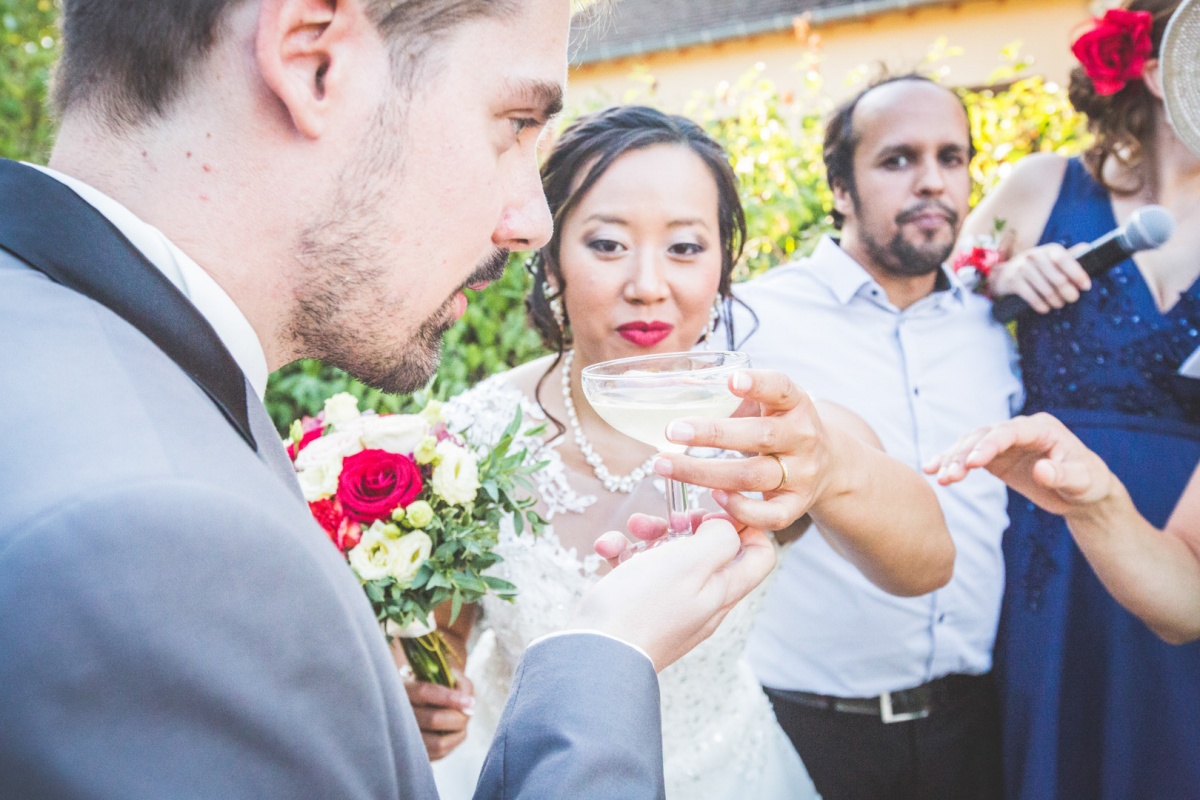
<point x="953" y="754"/>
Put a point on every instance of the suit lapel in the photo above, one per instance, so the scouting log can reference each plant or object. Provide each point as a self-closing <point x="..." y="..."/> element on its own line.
<point x="270" y="448"/>
<point x="56" y="232"/>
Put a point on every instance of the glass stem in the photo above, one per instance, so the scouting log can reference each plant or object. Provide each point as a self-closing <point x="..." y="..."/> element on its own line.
<point x="679" y="517"/>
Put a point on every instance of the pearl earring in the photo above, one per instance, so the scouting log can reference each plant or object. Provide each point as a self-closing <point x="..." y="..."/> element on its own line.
<point x="556" y="306"/>
<point x="713" y="318"/>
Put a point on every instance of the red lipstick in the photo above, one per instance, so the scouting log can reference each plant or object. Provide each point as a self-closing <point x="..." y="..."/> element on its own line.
<point x="645" y="334"/>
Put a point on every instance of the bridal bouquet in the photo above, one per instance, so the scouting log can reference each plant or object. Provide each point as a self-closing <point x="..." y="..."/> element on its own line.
<point x="415" y="511"/>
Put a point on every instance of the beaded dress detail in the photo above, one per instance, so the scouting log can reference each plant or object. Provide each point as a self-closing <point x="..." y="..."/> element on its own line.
<point x="1095" y="704"/>
<point x="720" y="737"/>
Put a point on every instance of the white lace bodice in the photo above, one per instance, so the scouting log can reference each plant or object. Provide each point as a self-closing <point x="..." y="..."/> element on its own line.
<point x="715" y="716"/>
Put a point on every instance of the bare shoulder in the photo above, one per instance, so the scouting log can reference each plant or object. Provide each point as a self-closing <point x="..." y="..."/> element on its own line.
<point x="526" y="376"/>
<point x="1023" y="200"/>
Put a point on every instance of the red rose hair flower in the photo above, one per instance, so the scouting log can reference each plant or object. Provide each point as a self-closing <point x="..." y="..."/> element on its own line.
<point x="1115" y="50"/>
<point x="374" y="483"/>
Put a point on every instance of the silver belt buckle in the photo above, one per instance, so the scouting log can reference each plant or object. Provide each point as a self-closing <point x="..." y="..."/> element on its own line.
<point x="888" y="716"/>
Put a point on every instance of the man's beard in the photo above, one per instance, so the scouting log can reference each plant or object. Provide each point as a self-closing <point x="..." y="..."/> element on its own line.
<point x="901" y="257"/>
<point x="340" y="314"/>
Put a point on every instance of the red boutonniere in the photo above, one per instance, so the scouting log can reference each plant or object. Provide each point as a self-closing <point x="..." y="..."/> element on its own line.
<point x="973" y="264"/>
<point x="1115" y="50"/>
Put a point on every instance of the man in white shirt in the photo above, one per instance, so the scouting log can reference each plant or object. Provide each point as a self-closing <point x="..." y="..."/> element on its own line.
<point x="884" y="696"/>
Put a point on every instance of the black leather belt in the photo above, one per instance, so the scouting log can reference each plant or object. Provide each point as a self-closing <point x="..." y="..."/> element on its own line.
<point x="908" y="704"/>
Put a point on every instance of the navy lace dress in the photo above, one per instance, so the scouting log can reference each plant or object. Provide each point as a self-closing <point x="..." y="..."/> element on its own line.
<point x="1095" y="705"/>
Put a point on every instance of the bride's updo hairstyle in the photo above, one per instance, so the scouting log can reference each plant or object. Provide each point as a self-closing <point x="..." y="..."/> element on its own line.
<point x="581" y="156"/>
<point x="1122" y="121"/>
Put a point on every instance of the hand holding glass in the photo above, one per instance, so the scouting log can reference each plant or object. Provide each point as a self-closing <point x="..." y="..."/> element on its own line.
<point x="641" y="396"/>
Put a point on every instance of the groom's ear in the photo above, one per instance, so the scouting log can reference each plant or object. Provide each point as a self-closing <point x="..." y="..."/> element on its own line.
<point x="317" y="55"/>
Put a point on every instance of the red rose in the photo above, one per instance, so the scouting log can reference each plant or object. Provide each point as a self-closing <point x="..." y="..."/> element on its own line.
<point x="374" y="482"/>
<point x="312" y="430"/>
<point x="981" y="258"/>
<point x="1114" y="52"/>
<point x="343" y="531"/>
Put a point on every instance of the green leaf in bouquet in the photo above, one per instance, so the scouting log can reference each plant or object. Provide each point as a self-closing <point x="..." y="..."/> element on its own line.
<point x="499" y="585"/>
<point x="491" y="490"/>
<point x="438" y="580"/>
<point x="375" y="590"/>
<point x="455" y="606"/>
<point x="518" y="524"/>
<point x="471" y="583"/>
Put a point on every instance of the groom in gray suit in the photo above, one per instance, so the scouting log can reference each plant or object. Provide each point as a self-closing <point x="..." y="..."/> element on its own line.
<point x="237" y="184"/>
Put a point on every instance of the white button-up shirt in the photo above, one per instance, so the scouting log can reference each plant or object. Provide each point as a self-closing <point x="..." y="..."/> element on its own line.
<point x="207" y="296"/>
<point x="921" y="377"/>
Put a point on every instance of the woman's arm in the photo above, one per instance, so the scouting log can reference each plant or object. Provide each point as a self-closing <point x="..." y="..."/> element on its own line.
<point x="1153" y="573"/>
<point x="877" y="512"/>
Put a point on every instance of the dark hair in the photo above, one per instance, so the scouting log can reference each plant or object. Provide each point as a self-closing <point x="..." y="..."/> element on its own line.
<point x="130" y="60"/>
<point x="588" y="147"/>
<point x="841" y="140"/>
<point x="1122" y="123"/>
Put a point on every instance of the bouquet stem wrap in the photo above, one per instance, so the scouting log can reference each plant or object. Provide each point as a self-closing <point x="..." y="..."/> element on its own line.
<point x="430" y="657"/>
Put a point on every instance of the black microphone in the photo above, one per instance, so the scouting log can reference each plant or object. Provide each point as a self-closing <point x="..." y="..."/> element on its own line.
<point x="1148" y="227"/>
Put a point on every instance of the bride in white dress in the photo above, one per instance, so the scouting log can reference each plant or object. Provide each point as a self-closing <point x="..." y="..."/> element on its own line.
<point x="648" y="226"/>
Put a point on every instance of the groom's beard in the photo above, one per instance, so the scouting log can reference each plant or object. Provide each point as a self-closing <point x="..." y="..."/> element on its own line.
<point x="337" y="323"/>
<point x="342" y="312"/>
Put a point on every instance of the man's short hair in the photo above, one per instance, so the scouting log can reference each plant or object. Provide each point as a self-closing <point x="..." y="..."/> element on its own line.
<point x="130" y="60"/>
<point x="841" y="140"/>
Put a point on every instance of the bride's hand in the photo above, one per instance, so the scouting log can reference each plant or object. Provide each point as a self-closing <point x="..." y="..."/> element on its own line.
<point x="777" y="420"/>
<point x="442" y="713"/>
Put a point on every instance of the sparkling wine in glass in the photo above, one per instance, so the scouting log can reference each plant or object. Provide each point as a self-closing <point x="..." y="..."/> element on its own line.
<point x="641" y="396"/>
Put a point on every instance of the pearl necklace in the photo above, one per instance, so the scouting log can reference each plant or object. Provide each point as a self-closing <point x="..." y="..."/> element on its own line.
<point x="613" y="483"/>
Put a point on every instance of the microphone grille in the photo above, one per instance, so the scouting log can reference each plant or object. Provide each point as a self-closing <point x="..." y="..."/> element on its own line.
<point x="1149" y="227"/>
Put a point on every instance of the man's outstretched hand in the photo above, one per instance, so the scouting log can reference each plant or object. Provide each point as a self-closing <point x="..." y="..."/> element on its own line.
<point x="668" y="599"/>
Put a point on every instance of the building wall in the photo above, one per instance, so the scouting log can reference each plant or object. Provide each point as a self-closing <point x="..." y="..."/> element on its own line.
<point x="900" y="39"/>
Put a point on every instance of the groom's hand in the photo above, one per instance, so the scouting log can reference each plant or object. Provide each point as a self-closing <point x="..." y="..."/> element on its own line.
<point x="668" y="599"/>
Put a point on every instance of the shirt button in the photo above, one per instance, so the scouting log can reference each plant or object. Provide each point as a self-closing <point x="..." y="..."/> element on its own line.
<point x="941" y="617"/>
<point x="916" y="392"/>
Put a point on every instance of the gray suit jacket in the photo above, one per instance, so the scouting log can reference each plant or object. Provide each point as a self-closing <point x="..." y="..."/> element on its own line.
<point x="173" y="624"/>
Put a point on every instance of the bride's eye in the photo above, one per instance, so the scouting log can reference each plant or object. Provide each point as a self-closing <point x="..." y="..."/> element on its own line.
<point x="686" y="249"/>
<point x="605" y="246"/>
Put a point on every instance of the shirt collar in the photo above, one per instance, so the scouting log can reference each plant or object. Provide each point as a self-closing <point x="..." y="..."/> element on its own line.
<point x="206" y="295"/>
<point x="847" y="279"/>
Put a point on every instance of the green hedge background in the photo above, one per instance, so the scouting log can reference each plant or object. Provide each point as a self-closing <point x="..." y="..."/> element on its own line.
<point x="774" y="142"/>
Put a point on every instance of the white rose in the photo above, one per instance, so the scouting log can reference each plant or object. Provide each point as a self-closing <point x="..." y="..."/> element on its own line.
<point x="332" y="447"/>
<point x="371" y="558"/>
<point x="456" y="477"/>
<point x="412" y="630"/>
<point x="395" y="433"/>
<point x="409" y="552"/>
<point x="340" y="409"/>
<point x="320" y="480"/>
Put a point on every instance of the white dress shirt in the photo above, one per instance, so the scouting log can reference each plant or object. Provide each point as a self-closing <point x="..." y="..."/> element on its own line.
<point x="921" y="377"/>
<point x="206" y="295"/>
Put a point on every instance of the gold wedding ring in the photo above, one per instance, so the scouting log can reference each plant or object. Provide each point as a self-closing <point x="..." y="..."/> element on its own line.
<point x="783" y="478"/>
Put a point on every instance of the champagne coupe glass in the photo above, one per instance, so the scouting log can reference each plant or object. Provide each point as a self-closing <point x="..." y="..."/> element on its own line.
<point x="641" y="396"/>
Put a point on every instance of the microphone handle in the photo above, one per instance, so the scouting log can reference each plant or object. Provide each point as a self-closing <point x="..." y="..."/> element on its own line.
<point x="1107" y="251"/>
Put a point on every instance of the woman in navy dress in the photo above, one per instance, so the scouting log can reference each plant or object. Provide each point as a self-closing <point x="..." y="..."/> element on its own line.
<point x="1095" y="705"/>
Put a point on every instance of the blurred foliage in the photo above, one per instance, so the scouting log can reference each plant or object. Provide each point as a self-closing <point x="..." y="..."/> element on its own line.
<point x="773" y="138"/>
<point x="28" y="47"/>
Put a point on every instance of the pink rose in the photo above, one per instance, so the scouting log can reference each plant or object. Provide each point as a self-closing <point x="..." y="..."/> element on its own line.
<point x="313" y="428"/>
<point x="374" y="483"/>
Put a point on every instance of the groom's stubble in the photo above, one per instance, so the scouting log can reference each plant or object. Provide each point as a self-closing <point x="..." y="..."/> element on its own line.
<point x="341" y="312"/>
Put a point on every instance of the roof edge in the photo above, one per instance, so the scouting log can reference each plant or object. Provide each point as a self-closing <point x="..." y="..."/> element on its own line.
<point x="740" y="30"/>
